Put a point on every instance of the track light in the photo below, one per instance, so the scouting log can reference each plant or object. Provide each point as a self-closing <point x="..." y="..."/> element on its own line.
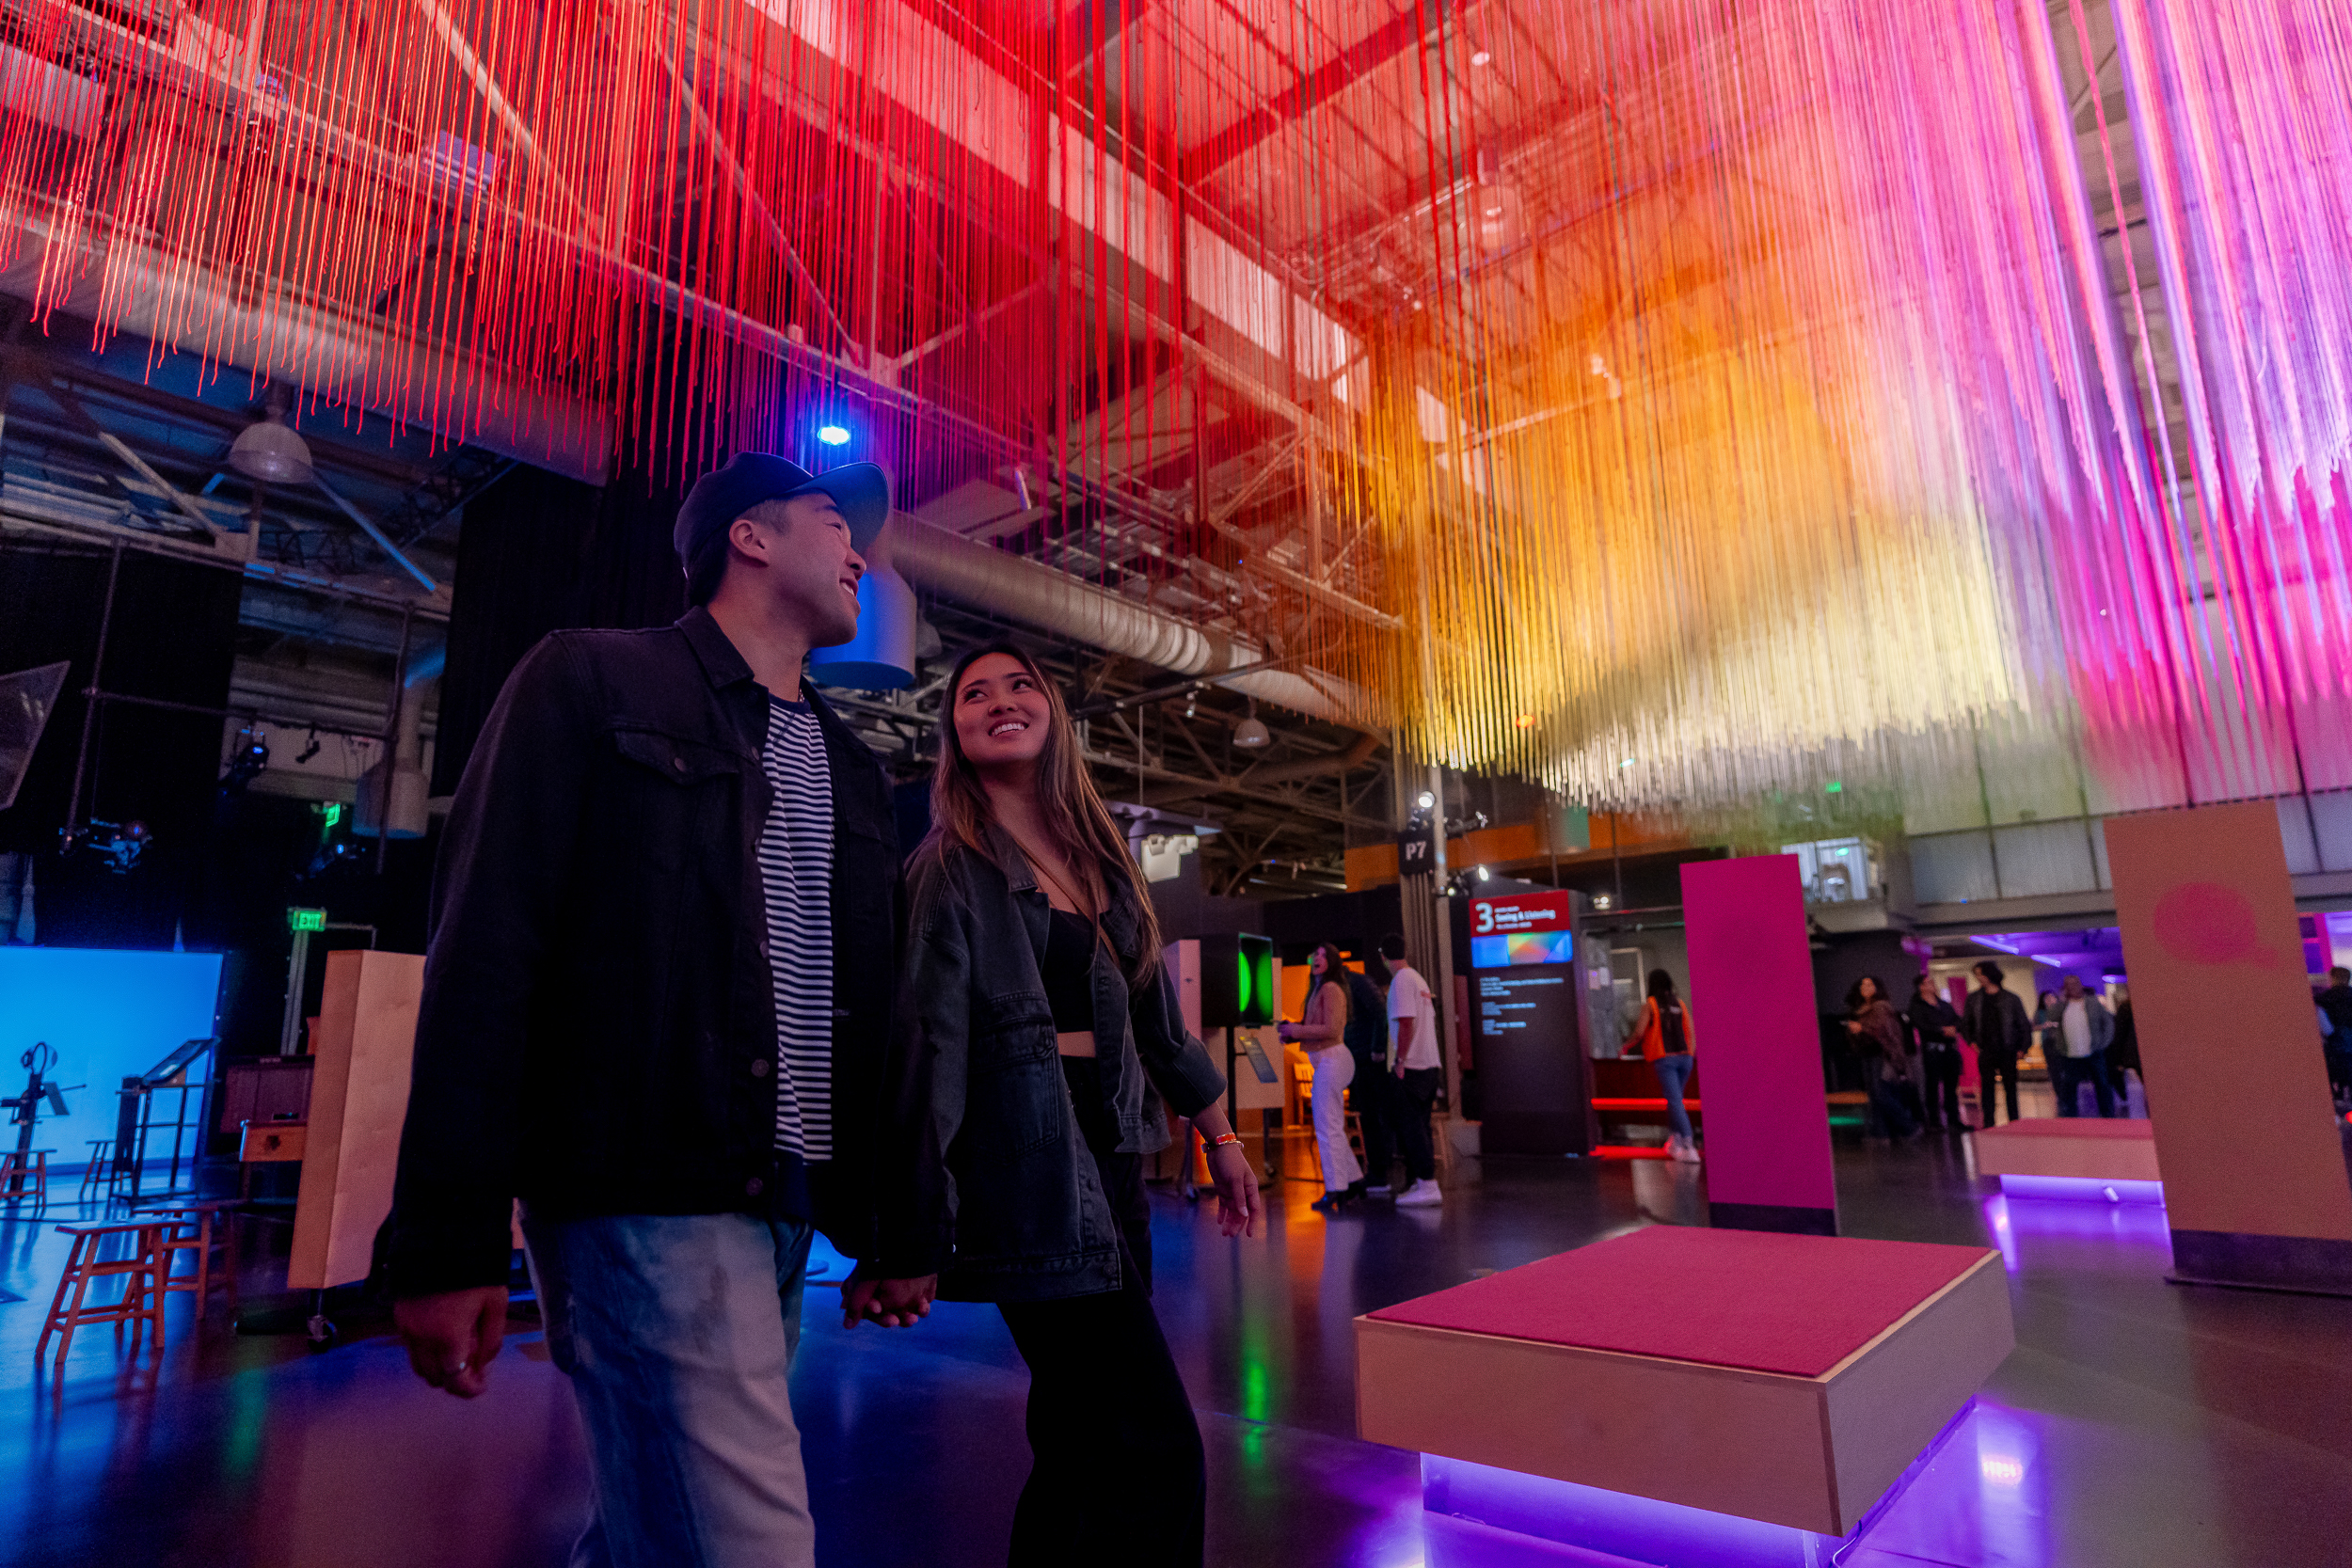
<point x="1425" y="800"/>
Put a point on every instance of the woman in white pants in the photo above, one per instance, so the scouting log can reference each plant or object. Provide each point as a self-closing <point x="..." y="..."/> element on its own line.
<point x="1323" y="1032"/>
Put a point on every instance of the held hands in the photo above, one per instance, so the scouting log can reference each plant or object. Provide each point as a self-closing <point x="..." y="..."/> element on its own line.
<point x="1237" y="1203"/>
<point x="891" y="1303"/>
<point x="452" y="1337"/>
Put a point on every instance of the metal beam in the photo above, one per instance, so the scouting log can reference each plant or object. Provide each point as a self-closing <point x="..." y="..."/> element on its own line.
<point x="708" y="129"/>
<point x="1334" y="76"/>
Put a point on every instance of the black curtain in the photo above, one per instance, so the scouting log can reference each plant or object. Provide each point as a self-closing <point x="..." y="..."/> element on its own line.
<point x="172" y="637"/>
<point x="538" y="553"/>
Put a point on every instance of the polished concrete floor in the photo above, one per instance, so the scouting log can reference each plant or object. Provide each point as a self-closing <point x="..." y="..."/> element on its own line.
<point x="2138" y="1423"/>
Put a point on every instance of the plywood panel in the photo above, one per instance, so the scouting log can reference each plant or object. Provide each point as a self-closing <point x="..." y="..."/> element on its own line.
<point x="2002" y="1152"/>
<point x="358" y="1097"/>
<point x="2230" y="1050"/>
<point x="1891" y="1397"/>
<point x="1717" y="1437"/>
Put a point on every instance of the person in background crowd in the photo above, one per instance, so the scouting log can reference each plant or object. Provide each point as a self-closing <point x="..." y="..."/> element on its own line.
<point x="2335" y="1003"/>
<point x="1419" y="1069"/>
<point x="1994" y="1022"/>
<point x="1880" y="1034"/>
<point x="2084" y="1031"/>
<point x="1666" y="1041"/>
<point x="2123" y="1049"/>
<point x="1323" y="1031"/>
<point x="2045" y="1030"/>
<point x="1035" y="1034"/>
<point x="1936" y="1023"/>
<point x="1373" y="1091"/>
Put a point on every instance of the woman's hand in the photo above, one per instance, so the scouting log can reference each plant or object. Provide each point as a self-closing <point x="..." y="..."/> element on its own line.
<point x="1237" y="1201"/>
<point x="1282" y="1031"/>
<point x="892" y="1303"/>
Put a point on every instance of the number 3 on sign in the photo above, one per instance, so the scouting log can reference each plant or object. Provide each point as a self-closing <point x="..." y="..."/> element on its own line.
<point x="1485" y="916"/>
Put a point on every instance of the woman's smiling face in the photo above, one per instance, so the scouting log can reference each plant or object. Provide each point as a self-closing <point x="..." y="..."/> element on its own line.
<point x="1002" y="716"/>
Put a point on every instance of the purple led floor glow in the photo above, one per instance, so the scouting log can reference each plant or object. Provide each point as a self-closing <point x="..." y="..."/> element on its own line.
<point x="2083" y="1189"/>
<point x="1645" y="1529"/>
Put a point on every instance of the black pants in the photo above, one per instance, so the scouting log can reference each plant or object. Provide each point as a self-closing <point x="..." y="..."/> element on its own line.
<point x="1372" y="1098"/>
<point x="1941" y="1092"/>
<point x="1117" y="1473"/>
<point x="1989" y="1069"/>
<point x="2068" y="1074"/>
<point x="1891" y="1106"/>
<point x="1412" y="1095"/>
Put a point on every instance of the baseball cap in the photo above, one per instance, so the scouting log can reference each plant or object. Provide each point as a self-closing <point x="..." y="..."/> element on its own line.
<point x="860" y="490"/>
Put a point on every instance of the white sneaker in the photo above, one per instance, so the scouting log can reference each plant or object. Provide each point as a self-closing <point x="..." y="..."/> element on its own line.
<point x="1685" y="1151"/>
<point x="1421" y="1194"/>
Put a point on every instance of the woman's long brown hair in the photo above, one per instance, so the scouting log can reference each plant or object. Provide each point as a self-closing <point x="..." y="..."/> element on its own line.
<point x="1081" y="826"/>
<point x="1334" y="973"/>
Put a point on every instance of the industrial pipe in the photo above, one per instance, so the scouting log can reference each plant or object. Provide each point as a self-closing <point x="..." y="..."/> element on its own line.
<point x="929" y="557"/>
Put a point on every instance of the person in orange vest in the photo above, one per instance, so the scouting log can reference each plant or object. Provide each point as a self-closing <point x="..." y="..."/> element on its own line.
<point x="1667" y="1040"/>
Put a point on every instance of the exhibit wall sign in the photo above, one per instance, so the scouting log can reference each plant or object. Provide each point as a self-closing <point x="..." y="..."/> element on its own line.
<point x="1528" y="998"/>
<point x="2254" y="1182"/>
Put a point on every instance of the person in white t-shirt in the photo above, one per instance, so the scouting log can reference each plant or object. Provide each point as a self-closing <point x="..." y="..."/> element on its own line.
<point x="2085" y="1030"/>
<point x="1418" y="1069"/>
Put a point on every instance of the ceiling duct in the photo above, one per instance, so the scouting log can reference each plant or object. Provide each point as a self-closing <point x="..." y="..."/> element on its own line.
<point x="1021" y="590"/>
<point x="143" y="296"/>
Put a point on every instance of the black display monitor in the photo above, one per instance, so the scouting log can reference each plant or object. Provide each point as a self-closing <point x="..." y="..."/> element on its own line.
<point x="1526" y="999"/>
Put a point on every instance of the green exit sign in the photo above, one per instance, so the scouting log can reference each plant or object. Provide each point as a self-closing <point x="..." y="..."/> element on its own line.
<point x="306" y="920"/>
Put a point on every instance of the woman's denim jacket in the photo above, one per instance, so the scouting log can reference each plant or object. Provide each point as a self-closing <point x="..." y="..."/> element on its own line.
<point x="990" y="1184"/>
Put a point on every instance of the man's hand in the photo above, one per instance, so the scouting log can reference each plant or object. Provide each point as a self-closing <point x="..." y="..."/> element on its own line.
<point x="1237" y="1202"/>
<point x="453" y="1336"/>
<point x="892" y="1303"/>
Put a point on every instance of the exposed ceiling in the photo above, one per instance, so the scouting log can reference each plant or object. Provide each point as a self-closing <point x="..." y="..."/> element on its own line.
<point x="1188" y="467"/>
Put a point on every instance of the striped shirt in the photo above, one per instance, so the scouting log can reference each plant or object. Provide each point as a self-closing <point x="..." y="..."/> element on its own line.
<point x="796" y="868"/>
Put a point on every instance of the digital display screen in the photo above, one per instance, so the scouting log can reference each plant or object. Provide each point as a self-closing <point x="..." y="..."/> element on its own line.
<point x="1253" y="981"/>
<point x="1532" y="947"/>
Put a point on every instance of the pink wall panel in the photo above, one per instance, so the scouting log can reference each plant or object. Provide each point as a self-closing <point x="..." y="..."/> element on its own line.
<point x="1752" y="1008"/>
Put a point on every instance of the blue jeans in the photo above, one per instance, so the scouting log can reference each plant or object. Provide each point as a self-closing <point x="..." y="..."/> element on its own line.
<point x="1674" y="1071"/>
<point x="677" y="1333"/>
<point x="2071" y="1072"/>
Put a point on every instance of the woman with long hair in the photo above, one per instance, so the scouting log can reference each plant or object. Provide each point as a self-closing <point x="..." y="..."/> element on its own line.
<point x="1037" y="1049"/>
<point x="1669" y="1044"/>
<point x="1322" y="1030"/>
<point x="1879" y="1031"/>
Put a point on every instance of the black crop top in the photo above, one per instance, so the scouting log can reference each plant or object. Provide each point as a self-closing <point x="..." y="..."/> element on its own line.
<point x="1068" y="971"/>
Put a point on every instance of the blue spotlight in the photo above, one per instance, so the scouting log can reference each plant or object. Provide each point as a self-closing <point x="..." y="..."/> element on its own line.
<point x="834" y="435"/>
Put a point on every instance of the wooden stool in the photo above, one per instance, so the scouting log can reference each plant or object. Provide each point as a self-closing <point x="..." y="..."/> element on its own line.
<point x="188" y="1227"/>
<point x="97" y="1178"/>
<point x="25" y="1174"/>
<point x="140" y="1303"/>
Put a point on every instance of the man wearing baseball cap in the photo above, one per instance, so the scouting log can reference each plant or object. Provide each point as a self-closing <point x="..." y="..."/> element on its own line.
<point x="663" y="944"/>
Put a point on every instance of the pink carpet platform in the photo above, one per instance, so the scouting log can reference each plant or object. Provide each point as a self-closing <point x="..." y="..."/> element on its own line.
<point x="1777" y="1377"/>
<point x="2085" y="1147"/>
